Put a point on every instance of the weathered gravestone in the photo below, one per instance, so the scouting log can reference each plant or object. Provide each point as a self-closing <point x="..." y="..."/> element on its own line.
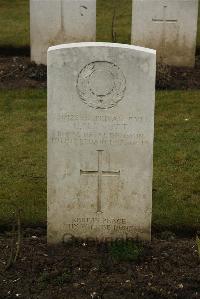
<point x="169" y="26"/>
<point x="55" y="22"/>
<point x="100" y="141"/>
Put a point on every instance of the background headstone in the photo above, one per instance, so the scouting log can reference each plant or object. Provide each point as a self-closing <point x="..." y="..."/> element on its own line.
<point x="100" y="141"/>
<point x="55" y="22"/>
<point x="169" y="26"/>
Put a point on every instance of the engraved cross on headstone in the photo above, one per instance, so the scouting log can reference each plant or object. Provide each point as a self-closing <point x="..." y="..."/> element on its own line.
<point x="99" y="173"/>
<point x="164" y="20"/>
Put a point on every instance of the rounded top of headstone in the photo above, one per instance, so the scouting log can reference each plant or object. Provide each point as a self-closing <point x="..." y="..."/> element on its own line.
<point x="101" y="44"/>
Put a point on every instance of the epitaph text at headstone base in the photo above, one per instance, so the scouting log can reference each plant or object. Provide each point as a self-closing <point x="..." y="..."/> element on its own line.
<point x="169" y="26"/>
<point x="100" y="141"/>
<point x="54" y="22"/>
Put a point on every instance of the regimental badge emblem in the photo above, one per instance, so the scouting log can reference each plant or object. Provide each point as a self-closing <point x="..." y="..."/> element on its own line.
<point x="101" y="84"/>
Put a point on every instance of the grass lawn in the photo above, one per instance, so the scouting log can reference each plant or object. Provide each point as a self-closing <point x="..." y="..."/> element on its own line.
<point x="105" y="12"/>
<point x="14" y="22"/>
<point x="176" y="165"/>
<point x="23" y="154"/>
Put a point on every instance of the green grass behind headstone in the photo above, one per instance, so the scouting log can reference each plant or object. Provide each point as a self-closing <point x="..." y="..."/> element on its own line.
<point x="14" y="23"/>
<point x="176" y="189"/>
<point x="122" y="24"/>
<point x="176" y="196"/>
<point x="23" y="154"/>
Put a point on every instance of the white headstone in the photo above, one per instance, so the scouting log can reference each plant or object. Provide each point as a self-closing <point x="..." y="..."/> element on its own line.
<point x="100" y="141"/>
<point x="169" y="26"/>
<point x="55" y="22"/>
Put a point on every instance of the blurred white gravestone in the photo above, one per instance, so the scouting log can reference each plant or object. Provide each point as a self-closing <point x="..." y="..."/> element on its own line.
<point x="55" y="22"/>
<point x="100" y="141"/>
<point x="169" y="26"/>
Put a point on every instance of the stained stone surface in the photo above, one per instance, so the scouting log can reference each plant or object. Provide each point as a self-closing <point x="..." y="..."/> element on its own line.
<point x="100" y="141"/>
<point x="54" y="22"/>
<point x="169" y="26"/>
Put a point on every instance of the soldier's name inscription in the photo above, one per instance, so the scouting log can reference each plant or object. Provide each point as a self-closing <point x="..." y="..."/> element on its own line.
<point x="98" y="129"/>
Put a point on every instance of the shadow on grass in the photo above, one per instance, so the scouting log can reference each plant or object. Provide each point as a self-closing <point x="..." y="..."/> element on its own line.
<point x="14" y="51"/>
<point x="198" y="51"/>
